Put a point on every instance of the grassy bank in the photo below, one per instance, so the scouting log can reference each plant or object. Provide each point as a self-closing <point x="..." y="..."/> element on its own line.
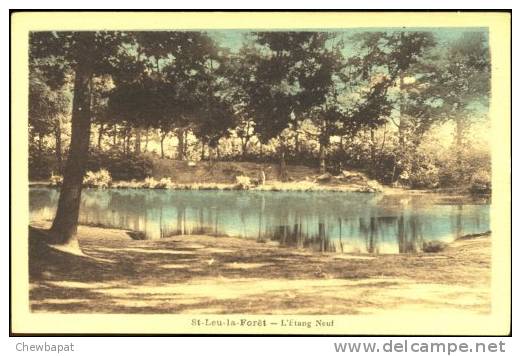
<point x="234" y="176"/>
<point x="204" y="175"/>
<point x="202" y="274"/>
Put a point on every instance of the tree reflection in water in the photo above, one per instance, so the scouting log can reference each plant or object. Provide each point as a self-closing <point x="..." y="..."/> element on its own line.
<point x="320" y="221"/>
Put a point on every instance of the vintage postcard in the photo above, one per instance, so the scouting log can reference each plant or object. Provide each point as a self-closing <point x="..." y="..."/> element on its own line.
<point x="261" y="173"/>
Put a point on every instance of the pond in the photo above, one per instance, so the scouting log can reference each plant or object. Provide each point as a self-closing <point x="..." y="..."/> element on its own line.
<point x="321" y="221"/>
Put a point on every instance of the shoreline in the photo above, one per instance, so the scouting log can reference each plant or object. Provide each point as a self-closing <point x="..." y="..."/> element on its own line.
<point x="454" y="196"/>
<point x="274" y="186"/>
<point x="458" y="194"/>
<point x="226" y="275"/>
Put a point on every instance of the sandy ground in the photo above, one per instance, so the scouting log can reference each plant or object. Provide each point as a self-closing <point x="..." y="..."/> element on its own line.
<point x="201" y="274"/>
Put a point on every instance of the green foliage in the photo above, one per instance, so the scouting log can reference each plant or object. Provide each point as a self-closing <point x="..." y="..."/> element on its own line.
<point x="424" y="174"/>
<point x="458" y="167"/>
<point x="481" y="182"/>
<point x="121" y="166"/>
<point x="298" y="93"/>
<point x="41" y="164"/>
<point x="46" y="105"/>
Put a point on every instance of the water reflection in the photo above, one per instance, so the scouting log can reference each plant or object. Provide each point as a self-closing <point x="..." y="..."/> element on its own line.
<point x="321" y="221"/>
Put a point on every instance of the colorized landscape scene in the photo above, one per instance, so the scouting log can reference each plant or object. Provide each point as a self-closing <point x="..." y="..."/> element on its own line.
<point x="337" y="172"/>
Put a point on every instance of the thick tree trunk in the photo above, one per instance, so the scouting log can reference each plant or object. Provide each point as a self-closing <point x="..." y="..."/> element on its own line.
<point x="58" y="144"/>
<point x="202" y="150"/>
<point x="64" y="227"/>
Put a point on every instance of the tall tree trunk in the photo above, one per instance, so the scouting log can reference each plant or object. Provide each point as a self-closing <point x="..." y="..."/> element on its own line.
<point x="202" y="150"/>
<point x="146" y="140"/>
<point x="373" y="152"/>
<point x="101" y="130"/>
<point x="124" y="139"/>
<point x="401" y="129"/>
<point x="185" y="148"/>
<point x="381" y="153"/>
<point x="180" y="144"/>
<point x="401" y="126"/>
<point x="322" y="157"/>
<point x="138" y="141"/>
<point x="162" y="140"/>
<point x="244" y="145"/>
<point x="323" y="142"/>
<point x="115" y="137"/>
<point x="58" y="144"/>
<point x="40" y="145"/>
<point x="127" y="140"/>
<point x="283" y="169"/>
<point x="65" y="222"/>
<point x="459" y="148"/>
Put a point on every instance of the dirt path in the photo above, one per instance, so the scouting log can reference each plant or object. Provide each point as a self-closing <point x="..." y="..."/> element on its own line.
<point x="200" y="274"/>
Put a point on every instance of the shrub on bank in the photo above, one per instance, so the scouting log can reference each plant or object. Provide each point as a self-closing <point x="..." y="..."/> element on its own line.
<point x="463" y="168"/>
<point x="424" y="176"/>
<point x="55" y="181"/>
<point x="152" y="183"/>
<point x="99" y="179"/>
<point x="242" y="182"/>
<point x="481" y="182"/>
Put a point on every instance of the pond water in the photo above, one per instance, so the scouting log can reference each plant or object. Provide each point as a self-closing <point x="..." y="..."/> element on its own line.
<point x="321" y="221"/>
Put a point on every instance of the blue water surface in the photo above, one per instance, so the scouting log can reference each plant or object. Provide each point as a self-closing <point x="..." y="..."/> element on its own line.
<point x="321" y="221"/>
